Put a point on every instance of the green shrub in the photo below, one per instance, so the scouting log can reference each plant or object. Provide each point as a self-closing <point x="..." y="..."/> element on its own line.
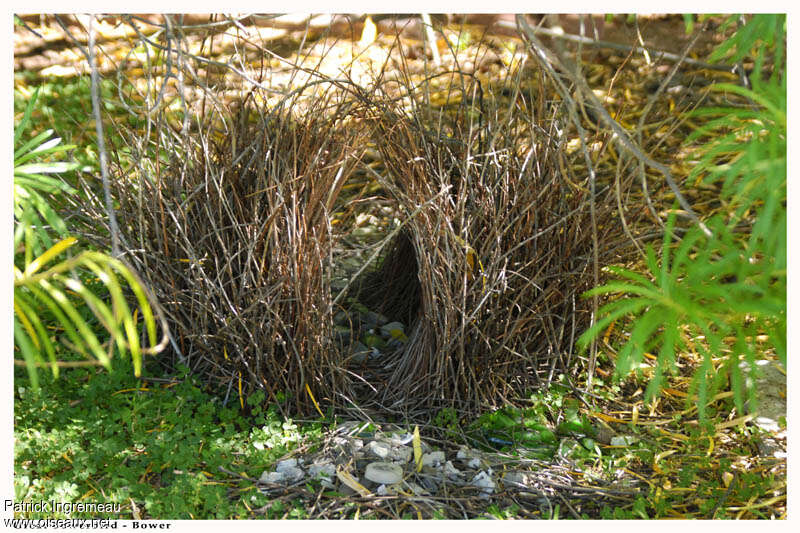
<point x="732" y="285"/>
<point x="55" y="288"/>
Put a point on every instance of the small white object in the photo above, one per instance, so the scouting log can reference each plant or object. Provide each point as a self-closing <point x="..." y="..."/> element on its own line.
<point x="286" y="464"/>
<point x="271" y="477"/>
<point x="483" y="481"/>
<point x="623" y="440"/>
<point x="383" y="490"/>
<point x="402" y="439"/>
<point x="379" y="449"/>
<point x="451" y="470"/>
<point x="383" y="473"/>
<point x="432" y="459"/>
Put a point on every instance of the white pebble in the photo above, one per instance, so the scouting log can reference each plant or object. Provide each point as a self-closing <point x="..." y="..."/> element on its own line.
<point x="484" y="481"/>
<point x="271" y="477"/>
<point x="379" y="449"/>
<point x="384" y="473"/>
<point x="433" y="458"/>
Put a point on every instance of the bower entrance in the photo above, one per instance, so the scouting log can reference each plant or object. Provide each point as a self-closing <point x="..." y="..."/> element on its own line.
<point x="492" y="245"/>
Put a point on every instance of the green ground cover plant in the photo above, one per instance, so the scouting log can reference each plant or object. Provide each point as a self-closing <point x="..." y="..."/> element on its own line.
<point x="154" y="448"/>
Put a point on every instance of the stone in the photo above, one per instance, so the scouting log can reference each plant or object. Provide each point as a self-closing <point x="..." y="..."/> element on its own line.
<point x="294" y="474"/>
<point x="384" y="473"/>
<point x="360" y="352"/>
<point x="516" y="479"/>
<point x="451" y="470"/>
<point x="401" y="454"/>
<point x="433" y="458"/>
<point x="342" y="318"/>
<point x="484" y="481"/>
<point x="770" y="391"/>
<point x="323" y="470"/>
<point x="469" y="456"/>
<point x="286" y="464"/>
<point x="416" y="489"/>
<point x="379" y="449"/>
<point x="371" y="317"/>
<point x="271" y="477"/>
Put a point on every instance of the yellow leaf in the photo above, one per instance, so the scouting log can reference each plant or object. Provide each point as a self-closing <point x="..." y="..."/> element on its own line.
<point x="471" y="260"/>
<point x="417" y="449"/>
<point x="727" y="477"/>
<point x="53" y="251"/>
<point x="350" y="481"/>
<point x="27" y="325"/>
<point x="368" y="34"/>
<point x="308" y="390"/>
<point x="241" y="399"/>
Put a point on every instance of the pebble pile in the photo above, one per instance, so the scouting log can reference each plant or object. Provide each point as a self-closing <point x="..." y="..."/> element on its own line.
<point x="382" y="463"/>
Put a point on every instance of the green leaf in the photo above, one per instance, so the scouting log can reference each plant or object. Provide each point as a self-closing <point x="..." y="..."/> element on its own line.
<point x="55" y="167"/>
<point x="29" y="352"/>
<point x="26" y="313"/>
<point x="23" y="124"/>
<point x="28" y="146"/>
<point x="49" y="255"/>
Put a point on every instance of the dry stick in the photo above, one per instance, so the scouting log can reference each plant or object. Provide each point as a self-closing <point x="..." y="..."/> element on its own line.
<point x="648" y="106"/>
<point x="210" y="62"/>
<point x="623" y="138"/>
<point x="654" y="52"/>
<point x="431" y="37"/>
<point x="541" y="54"/>
<point x="101" y="146"/>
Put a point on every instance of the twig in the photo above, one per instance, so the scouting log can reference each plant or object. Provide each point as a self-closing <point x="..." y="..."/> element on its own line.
<point x="548" y="57"/>
<point x="101" y="145"/>
<point x="595" y="43"/>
